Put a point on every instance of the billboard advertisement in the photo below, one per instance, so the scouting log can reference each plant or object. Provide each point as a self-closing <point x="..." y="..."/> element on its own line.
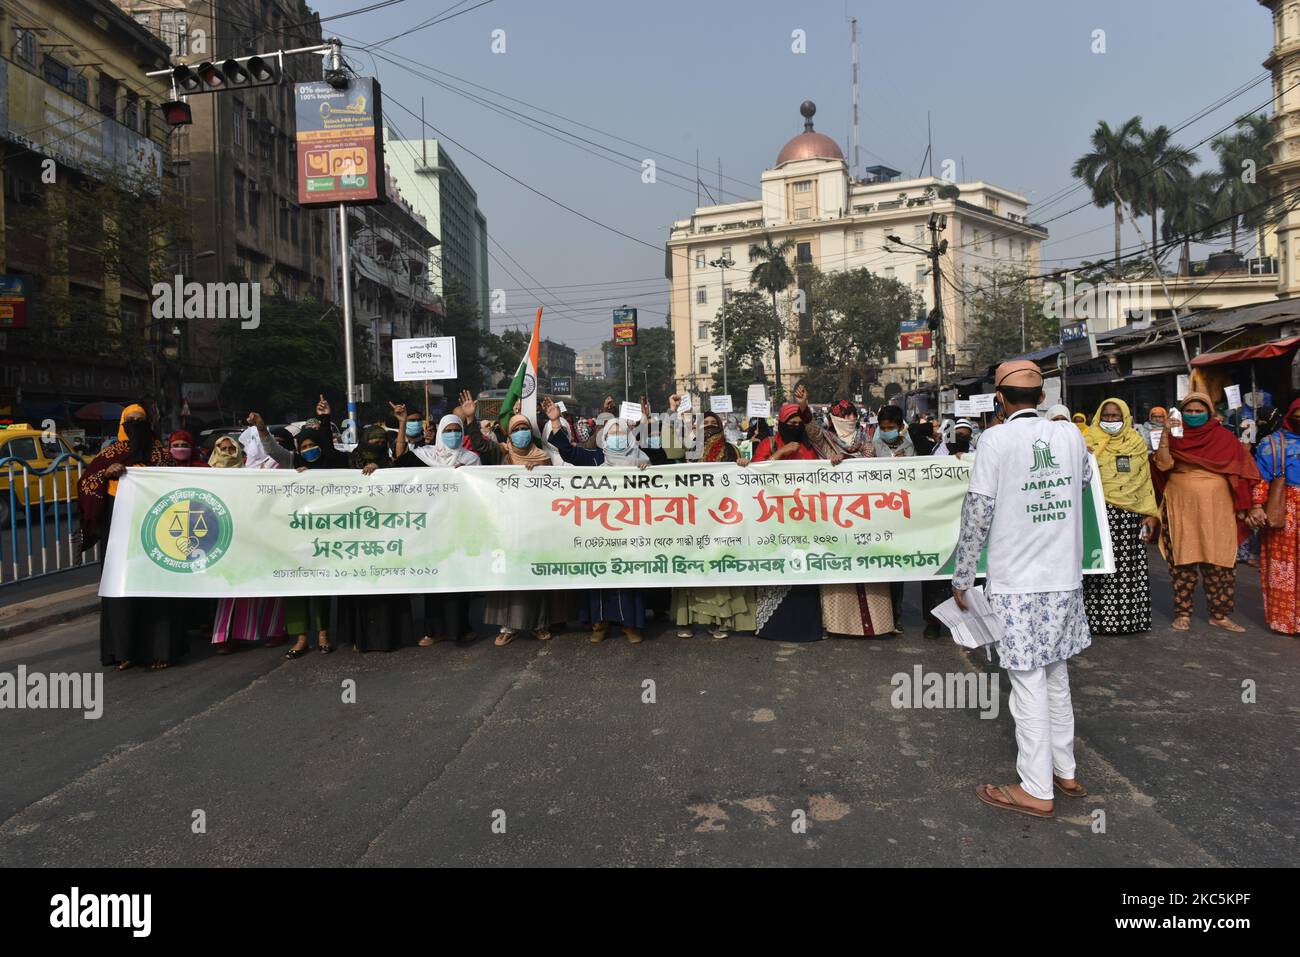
<point x="340" y="143"/>
<point x="624" y="327"/>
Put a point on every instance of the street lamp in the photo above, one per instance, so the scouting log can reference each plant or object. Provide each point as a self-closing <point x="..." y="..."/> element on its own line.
<point x="724" y="263"/>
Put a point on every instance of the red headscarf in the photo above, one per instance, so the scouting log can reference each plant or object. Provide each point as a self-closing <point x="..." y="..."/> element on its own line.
<point x="1215" y="449"/>
<point x="1291" y="410"/>
<point x="180" y="435"/>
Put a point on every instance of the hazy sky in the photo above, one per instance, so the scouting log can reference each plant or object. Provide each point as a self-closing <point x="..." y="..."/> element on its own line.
<point x="1012" y="86"/>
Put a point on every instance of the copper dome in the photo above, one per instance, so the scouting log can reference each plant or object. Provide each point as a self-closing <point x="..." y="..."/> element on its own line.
<point x="809" y="144"/>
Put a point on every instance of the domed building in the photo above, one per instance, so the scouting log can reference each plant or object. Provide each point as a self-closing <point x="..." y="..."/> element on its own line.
<point x="838" y="219"/>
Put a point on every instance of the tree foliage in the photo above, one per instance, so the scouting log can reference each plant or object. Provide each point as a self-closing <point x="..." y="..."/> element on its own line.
<point x="996" y="312"/>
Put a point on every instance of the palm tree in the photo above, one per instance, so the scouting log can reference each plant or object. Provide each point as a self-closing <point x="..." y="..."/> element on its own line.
<point x="1187" y="214"/>
<point x="1166" y="173"/>
<point x="772" y="274"/>
<point x="1238" y="197"/>
<point x="1111" y="169"/>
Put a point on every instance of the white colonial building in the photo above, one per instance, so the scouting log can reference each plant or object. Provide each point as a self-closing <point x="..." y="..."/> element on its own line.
<point x="840" y="222"/>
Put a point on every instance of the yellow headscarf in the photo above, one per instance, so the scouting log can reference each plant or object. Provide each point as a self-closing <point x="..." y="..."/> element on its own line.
<point x="1131" y="490"/>
<point x="121" y="423"/>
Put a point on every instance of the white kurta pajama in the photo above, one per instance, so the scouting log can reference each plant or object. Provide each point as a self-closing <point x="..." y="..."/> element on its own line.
<point x="1026" y="496"/>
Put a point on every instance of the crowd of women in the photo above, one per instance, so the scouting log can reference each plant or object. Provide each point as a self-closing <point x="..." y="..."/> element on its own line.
<point x="1197" y="493"/>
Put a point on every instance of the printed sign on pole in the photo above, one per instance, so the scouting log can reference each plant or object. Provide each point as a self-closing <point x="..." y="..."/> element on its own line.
<point x="719" y="403"/>
<point x="962" y="407"/>
<point x="416" y="359"/>
<point x="1233" y="394"/>
<point x="629" y="411"/>
<point x="758" y="410"/>
<point x="624" y="327"/>
<point x="1184" y="386"/>
<point x="982" y="402"/>
<point x="340" y="144"/>
<point x="684" y="403"/>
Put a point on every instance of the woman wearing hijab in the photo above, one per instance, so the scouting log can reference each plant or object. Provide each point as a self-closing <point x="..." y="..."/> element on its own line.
<point x="787" y="612"/>
<point x="313" y="449"/>
<point x="445" y="615"/>
<point x="1278" y="459"/>
<point x="616" y="449"/>
<point x="243" y="619"/>
<point x="1058" y="413"/>
<point x="542" y="613"/>
<point x="1155" y="422"/>
<point x="180" y="446"/>
<point x="1120" y="603"/>
<point x="1081" y="422"/>
<point x="130" y="629"/>
<point x="721" y="609"/>
<point x="848" y="436"/>
<point x="1207" y="479"/>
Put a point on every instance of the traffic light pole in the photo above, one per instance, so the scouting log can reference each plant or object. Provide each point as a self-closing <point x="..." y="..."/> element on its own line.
<point x="348" y="359"/>
<point x="937" y="278"/>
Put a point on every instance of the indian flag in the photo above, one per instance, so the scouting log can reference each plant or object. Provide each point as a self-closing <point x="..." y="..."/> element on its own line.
<point x="524" y="387"/>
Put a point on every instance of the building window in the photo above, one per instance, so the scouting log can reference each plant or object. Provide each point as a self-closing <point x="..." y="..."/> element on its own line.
<point x="701" y="295"/>
<point x="172" y="29"/>
<point x="859" y="239"/>
<point x="25" y="47"/>
<point x="131" y="112"/>
<point x="699" y="259"/>
<point x="920" y="275"/>
<point x="803" y="212"/>
<point x="237" y="127"/>
<point x="1023" y="249"/>
<point x="704" y="365"/>
<point x="726" y="253"/>
<point x="284" y="219"/>
<point x="254" y="206"/>
<point x="803" y="186"/>
<point x="702" y="331"/>
<point x="239" y="199"/>
<point x="184" y="184"/>
<point x="889" y="272"/>
<point x="293" y="223"/>
<point x="977" y="239"/>
<point x="803" y="252"/>
<point x="726" y="294"/>
<point x="107" y="96"/>
<point x="919" y="234"/>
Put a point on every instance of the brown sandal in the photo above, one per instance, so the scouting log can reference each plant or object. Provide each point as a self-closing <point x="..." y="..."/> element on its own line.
<point x="504" y="638"/>
<point x="986" y="792"/>
<point x="1077" y="791"/>
<point x="1182" y="623"/>
<point x="1227" y="624"/>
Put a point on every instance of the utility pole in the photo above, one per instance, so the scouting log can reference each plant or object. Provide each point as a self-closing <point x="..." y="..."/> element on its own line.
<point x="723" y="262"/>
<point x="938" y="223"/>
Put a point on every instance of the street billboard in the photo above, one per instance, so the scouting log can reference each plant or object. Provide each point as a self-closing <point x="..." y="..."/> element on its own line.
<point x="624" y="327"/>
<point x="340" y="143"/>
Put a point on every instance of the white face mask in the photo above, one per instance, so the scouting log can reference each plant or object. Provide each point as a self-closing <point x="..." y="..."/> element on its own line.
<point x="1112" y="428"/>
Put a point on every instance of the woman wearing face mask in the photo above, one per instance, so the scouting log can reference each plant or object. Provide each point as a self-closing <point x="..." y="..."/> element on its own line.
<point x="445" y="615"/>
<point x="1278" y="459"/>
<point x="130" y="629"/>
<point x="616" y="449"/>
<point x="962" y="441"/>
<point x="1120" y="603"/>
<point x="543" y="613"/>
<point x="721" y="609"/>
<point x="1208" y="480"/>
<point x="848" y="437"/>
<point x="180" y="446"/>
<point x="313" y="449"/>
<point x="243" y="619"/>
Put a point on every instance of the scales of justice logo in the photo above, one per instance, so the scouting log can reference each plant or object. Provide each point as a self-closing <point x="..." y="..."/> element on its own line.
<point x="187" y="530"/>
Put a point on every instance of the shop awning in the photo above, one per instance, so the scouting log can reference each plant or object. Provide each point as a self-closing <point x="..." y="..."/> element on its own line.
<point x="1268" y="350"/>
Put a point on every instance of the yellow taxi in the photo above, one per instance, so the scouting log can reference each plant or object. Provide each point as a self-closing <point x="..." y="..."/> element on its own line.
<point x="38" y="449"/>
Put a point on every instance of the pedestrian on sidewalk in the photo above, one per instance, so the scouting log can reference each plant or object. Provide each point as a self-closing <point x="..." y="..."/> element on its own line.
<point x="1278" y="458"/>
<point x="1026" y="497"/>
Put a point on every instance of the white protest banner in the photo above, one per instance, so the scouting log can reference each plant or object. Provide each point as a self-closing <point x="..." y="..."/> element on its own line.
<point x="416" y="359"/>
<point x="962" y="407"/>
<point x="630" y="411"/>
<point x="719" y="403"/>
<point x="200" y="533"/>
<point x="982" y="402"/>
<point x="1233" y="394"/>
<point x="758" y="410"/>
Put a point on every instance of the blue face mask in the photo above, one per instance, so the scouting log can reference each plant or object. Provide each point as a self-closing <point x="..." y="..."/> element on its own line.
<point x="616" y="443"/>
<point x="889" y="435"/>
<point x="451" y="439"/>
<point x="521" y="438"/>
<point x="1195" y="419"/>
<point x="310" y="455"/>
<point x="413" y="429"/>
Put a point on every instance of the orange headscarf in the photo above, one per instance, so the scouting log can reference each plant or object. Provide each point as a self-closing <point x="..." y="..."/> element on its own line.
<point x="121" y="423"/>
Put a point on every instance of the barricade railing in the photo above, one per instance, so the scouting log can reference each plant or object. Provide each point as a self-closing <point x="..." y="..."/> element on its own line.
<point x="40" y="531"/>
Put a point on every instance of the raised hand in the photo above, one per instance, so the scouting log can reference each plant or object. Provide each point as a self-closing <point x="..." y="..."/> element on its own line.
<point x="322" y="407"/>
<point x="550" y="408"/>
<point x="399" y="412"/>
<point x="256" y="421"/>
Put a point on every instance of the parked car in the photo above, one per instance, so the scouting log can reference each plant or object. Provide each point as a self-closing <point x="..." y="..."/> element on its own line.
<point x="37" y="449"/>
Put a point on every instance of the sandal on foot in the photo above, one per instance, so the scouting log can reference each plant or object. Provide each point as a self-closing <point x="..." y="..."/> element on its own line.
<point x="1077" y="791"/>
<point x="226" y="648"/>
<point x="1182" y="623"/>
<point x="1227" y="624"/>
<point x="504" y="638"/>
<point x="296" y="652"/>
<point x="160" y="665"/>
<point x="425" y="642"/>
<point x="1001" y="796"/>
<point x="123" y="665"/>
<point x="685" y="633"/>
<point x="543" y="634"/>
<point x="719" y="633"/>
<point x="325" y="648"/>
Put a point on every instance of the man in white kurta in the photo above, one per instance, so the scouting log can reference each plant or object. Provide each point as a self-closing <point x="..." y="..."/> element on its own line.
<point x="1026" y="497"/>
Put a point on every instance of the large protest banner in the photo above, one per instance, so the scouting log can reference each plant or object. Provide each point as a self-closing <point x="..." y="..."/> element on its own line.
<point x="188" y="532"/>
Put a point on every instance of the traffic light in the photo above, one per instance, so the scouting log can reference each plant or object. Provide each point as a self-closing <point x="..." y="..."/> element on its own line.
<point x="234" y="73"/>
<point x="177" y="113"/>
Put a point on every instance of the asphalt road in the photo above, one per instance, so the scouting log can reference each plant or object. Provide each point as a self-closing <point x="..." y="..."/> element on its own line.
<point x="555" y="741"/>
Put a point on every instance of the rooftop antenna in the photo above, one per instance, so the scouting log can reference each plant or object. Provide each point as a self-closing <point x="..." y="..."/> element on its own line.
<point x="929" y="142"/>
<point x="697" y="177"/>
<point x="853" y="27"/>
